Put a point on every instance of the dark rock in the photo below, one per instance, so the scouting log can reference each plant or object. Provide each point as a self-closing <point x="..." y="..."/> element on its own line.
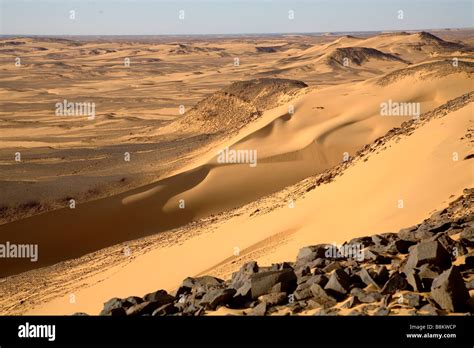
<point x="379" y="240"/>
<point x="160" y="297"/>
<point x="408" y="234"/>
<point x="243" y="275"/>
<point x="467" y="235"/>
<point x="470" y="284"/>
<point x="259" y="310"/>
<point x="440" y="227"/>
<point x="351" y="302"/>
<point x="143" y="308"/>
<point x="198" y="284"/>
<point x="245" y="290"/>
<point x="430" y="309"/>
<point x="386" y="300"/>
<point x="454" y="248"/>
<point x="204" y="282"/>
<point x="430" y="252"/>
<point x="302" y="271"/>
<point x="367" y="278"/>
<point x="469" y="261"/>
<point x="120" y="311"/>
<point x="362" y="241"/>
<point x="114" y="303"/>
<point x="319" y="262"/>
<point x="274" y="299"/>
<point x="199" y="312"/>
<point x="414" y="280"/>
<point x="366" y="297"/>
<point x="133" y="300"/>
<point x="217" y="297"/>
<point x="449" y="291"/>
<point x="166" y="309"/>
<point x="402" y="246"/>
<point x="332" y="266"/>
<point x="304" y="279"/>
<point x="381" y="274"/>
<point x="262" y="283"/>
<point x="321" y="297"/>
<point x="395" y="283"/>
<point x="310" y="253"/>
<point x="376" y="257"/>
<point x="302" y="292"/>
<point x="338" y="284"/>
<point x="382" y="311"/>
<point x="413" y="300"/>
<point x="319" y="279"/>
<point x="415" y="234"/>
<point x="390" y="236"/>
<point x="355" y="281"/>
<point x="285" y="265"/>
<point x="427" y="274"/>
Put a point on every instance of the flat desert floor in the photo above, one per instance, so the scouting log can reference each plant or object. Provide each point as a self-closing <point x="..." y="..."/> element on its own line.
<point x="136" y="198"/>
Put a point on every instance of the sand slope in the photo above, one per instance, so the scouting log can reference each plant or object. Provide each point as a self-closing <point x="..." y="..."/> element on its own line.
<point x="396" y="170"/>
<point x="290" y="147"/>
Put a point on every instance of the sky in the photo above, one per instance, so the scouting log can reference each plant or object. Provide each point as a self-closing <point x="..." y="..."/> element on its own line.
<point x="161" y="17"/>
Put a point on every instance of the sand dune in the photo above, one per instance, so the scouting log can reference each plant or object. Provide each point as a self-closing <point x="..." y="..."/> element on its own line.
<point x="316" y="137"/>
<point x="277" y="231"/>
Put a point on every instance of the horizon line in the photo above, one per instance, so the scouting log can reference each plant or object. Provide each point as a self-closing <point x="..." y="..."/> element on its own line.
<point x="320" y="33"/>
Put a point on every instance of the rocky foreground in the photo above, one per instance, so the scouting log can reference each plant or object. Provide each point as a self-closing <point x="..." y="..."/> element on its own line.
<point x="427" y="269"/>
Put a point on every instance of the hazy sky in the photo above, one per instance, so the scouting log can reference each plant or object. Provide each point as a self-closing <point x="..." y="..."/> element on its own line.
<point x="158" y="17"/>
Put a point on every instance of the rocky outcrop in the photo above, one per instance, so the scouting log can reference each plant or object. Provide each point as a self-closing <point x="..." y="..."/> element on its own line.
<point x="426" y="269"/>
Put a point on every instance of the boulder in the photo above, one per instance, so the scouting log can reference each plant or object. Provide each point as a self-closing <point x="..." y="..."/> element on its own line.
<point x="205" y="282"/>
<point x="427" y="274"/>
<point x="402" y="246"/>
<point x="381" y="274"/>
<point x="441" y="226"/>
<point x="217" y="297"/>
<point x="115" y="306"/>
<point x="414" y="280"/>
<point x="160" y="297"/>
<point x="395" y="283"/>
<point x="243" y="275"/>
<point x="166" y="309"/>
<point x="143" y="308"/>
<point x="415" y="233"/>
<point x="366" y="297"/>
<point x="467" y="236"/>
<point x="321" y="297"/>
<point x="332" y="266"/>
<point x="338" y="284"/>
<point x="430" y="252"/>
<point x="258" y="310"/>
<point x="302" y="292"/>
<point x="367" y="278"/>
<point x="274" y="299"/>
<point x="311" y="253"/>
<point x="449" y="291"/>
<point x="263" y="282"/>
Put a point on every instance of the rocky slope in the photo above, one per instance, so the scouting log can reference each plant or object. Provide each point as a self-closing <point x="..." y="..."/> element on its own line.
<point x="426" y="269"/>
<point x="238" y="104"/>
<point x="358" y="56"/>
